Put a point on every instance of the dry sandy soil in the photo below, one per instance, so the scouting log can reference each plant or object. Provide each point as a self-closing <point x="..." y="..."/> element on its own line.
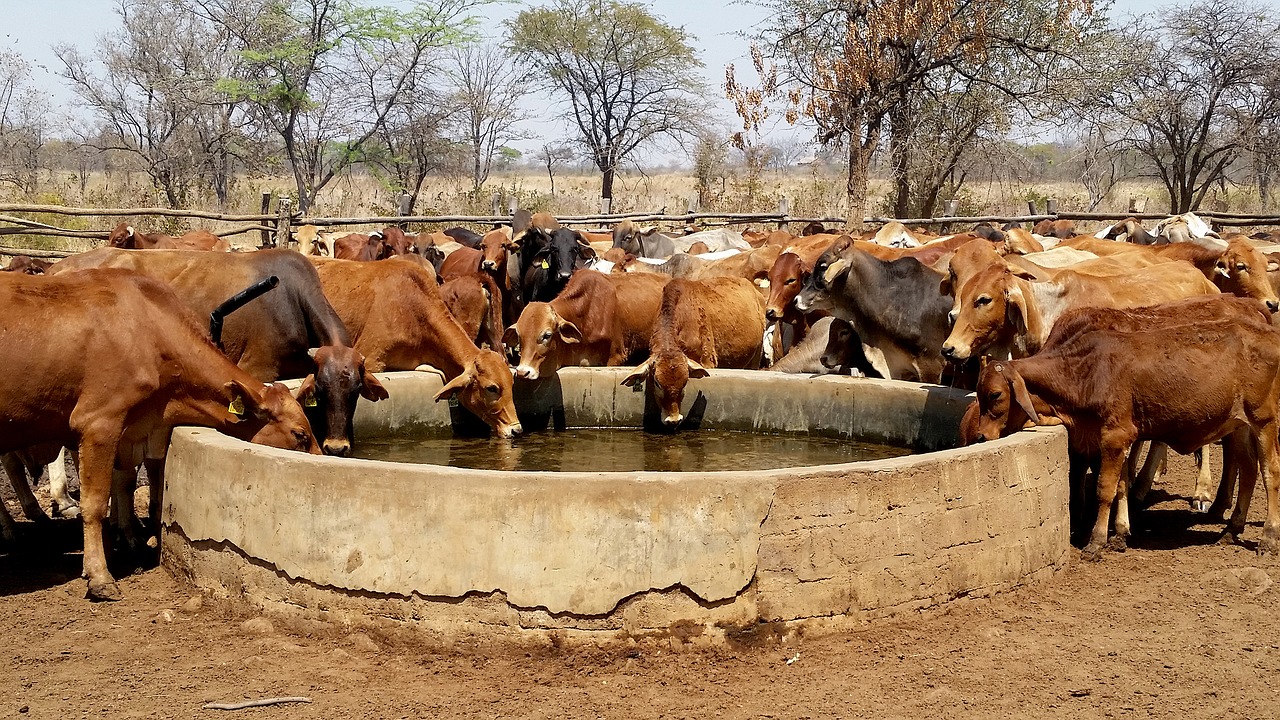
<point x="1177" y="626"/>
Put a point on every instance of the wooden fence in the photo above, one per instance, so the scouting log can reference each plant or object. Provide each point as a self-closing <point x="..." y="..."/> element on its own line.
<point x="275" y="228"/>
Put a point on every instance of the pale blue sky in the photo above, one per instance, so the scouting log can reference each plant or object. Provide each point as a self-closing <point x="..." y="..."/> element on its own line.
<point x="32" y="27"/>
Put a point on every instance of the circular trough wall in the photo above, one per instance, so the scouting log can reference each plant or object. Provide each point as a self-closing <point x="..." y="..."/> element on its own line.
<point x="464" y="554"/>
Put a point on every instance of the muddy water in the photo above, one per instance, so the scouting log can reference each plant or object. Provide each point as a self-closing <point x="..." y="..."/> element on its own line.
<point x="610" y="449"/>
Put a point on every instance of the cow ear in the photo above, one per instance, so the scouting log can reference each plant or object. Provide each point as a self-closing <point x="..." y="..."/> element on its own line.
<point x="244" y="400"/>
<point x="371" y="388"/>
<point x="1273" y="266"/>
<point x="946" y="287"/>
<point x="305" y="389"/>
<point x="311" y="352"/>
<point x="1015" y="308"/>
<point x="696" y="371"/>
<point x="569" y="333"/>
<point x="1021" y="394"/>
<point x="128" y="231"/>
<point x="453" y="386"/>
<point x="1021" y="272"/>
<point x="638" y="375"/>
<point x="511" y="338"/>
<point x="834" y="270"/>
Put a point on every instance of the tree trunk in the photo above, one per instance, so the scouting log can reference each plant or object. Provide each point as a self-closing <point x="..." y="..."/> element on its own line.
<point x="860" y="153"/>
<point x="900" y="161"/>
<point x="606" y="183"/>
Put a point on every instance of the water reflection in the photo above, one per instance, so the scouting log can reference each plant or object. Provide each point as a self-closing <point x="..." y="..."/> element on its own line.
<point x="613" y="449"/>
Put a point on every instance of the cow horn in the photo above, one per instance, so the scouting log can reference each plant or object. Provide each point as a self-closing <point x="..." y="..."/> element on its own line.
<point x="128" y="231"/>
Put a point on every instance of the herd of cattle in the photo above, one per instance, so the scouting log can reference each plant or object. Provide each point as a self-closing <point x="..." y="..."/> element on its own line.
<point x="1123" y="336"/>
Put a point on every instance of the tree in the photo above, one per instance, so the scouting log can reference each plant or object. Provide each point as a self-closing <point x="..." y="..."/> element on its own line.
<point x="552" y="154"/>
<point x="628" y="78"/>
<point x="487" y="90"/>
<point x="24" y="121"/>
<point x="1194" y="89"/>
<point x="324" y="75"/>
<point x="148" y="93"/>
<point x="851" y="67"/>
<point x="412" y="142"/>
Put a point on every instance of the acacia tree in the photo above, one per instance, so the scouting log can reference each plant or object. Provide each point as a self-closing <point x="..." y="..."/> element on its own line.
<point x="1192" y="92"/>
<point x="552" y="154"/>
<point x="628" y="78"/>
<point x="850" y="67"/>
<point x="487" y="90"/>
<point x="324" y="75"/>
<point x="24" y="123"/>
<point x="412" y="142"/>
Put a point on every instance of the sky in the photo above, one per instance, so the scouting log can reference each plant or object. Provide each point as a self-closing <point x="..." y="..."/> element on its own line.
<point x="33" y="27"/>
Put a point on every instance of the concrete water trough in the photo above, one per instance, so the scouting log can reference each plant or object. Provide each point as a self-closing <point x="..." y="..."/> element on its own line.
<point x="699" y="556"/>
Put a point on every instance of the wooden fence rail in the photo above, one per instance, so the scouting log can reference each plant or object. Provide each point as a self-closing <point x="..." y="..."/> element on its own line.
<point x="274" y="227"/>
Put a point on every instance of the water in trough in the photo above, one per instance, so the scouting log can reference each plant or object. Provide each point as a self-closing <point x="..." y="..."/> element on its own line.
<point x="625" y="450"/>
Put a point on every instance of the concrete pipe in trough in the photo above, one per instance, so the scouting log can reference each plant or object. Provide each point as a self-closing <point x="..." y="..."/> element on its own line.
<point x="691" y="557"/>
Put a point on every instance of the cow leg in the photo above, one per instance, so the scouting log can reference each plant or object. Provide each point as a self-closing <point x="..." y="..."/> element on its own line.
<point x="63" y="505"/>
<point x="1115" y="446"/>
<point x="1156" y="456"/>
<point x="1248" y="479"/>
<point x="123" y="517"/>
<point x="1268" y="444"/>
<point x="1237" y="452"/>
<point x="96" y="462"/>
<point x="1122" y="528"/>
<point x="1200" y="497"/>
<point x="1079" y="503"/>
<point x="155" y="484"/>
<point x="17" y="472"/>
<point x="8" y="529"/>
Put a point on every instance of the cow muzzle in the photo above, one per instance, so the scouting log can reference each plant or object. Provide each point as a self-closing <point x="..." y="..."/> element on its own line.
<point x="954" y="354"/>
<point x="510" y="431"/>
<point x="771" y="313"/>
<point x="672" y="420"/>
<point x="1273" y="305"/>
<point x="337" y="448"/>
<point x="562" y="275"/>
<point x="524" y="372"/>
<point x="488" y="265"/>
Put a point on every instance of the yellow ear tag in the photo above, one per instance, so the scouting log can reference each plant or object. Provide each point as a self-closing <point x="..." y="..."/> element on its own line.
<point x="236" y="407"/>
<point x="309" y="400"/>
<point x="546" y="265"/>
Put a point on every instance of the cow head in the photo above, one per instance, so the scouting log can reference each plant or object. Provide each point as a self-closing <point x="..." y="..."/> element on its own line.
<point x="786" y="277"/>
<point x="494" y="247"/>
<point x="839" y="338"/>
<point x="122" y="236"/>
<point x="544" y="339"/>
<point x="671" y="371"/>
<point x="1242" y="271"/>
<point x="28" y="265"/>
<point x="484" y="388"/>
<point x="830" y="268"/>
<point x="626" y="238"/>
<point x="395" y="241"/>
<point x="1005" y="406"/>
<point x="330" y="395"/>
<point x="268" y="415"/>
<point x="990" y="307"/>
<point x="570" y="251"/>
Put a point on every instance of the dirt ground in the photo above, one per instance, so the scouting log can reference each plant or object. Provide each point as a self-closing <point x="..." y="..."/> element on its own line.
<point x="1178" y="626"/>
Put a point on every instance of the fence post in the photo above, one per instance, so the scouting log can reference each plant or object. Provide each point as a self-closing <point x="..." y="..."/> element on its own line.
<point x="403" y="208"/>
<point x="784" y="209"/>
<point x="494" y="201"/>
<point x="606" y="205"/>
<point x="1051" y="206"/>
<point x="949" y="208"/>
<point x="1137" y="204"/>
<point x="264" y="239"/>
<point x="284" y="218"/>
<point x="1031" y="207"/>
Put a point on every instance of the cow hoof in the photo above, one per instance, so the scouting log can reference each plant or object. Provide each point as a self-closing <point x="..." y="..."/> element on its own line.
<point x="1117" y="544"/>
<point x="1091" y="552"/>
<point x="1269" y="546"/>
<point x="71" y="513"/>
<point x="104" y="591"/>
<point x="1199" y="506"/>
<point x="1229" y="538"/>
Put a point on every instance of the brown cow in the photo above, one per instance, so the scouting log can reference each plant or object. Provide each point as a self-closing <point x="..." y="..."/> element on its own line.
<point x="598" y="320"/>
<point x="475" y="301"/>
<point x="28" y="265"/>
<point x="703" y="324"/>
<point x="124" y="236"/>
<point x="1061" y="229"/>
<point x="111" y="361"/>
<point x="397" y="321"/>
<point x="492" y="258"/>
<point x="1001" y="311"/>
<point x="357" y="246"/>
<point x="1218" y="372"/>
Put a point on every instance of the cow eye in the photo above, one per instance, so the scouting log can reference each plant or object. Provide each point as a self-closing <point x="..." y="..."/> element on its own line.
<point x="1242" y="267"/>
<point x="790" y="281"/>
<point x="302" y="437"/>
<point x="546" y="336"/>
<point x="492" y="389"/>
<point x="982" y="300"/>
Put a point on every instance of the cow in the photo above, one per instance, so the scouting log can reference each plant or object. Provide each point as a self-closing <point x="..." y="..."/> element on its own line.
<point x="290" y="332"/>
<point x="832" y="345"/>
<point x="111" y="361"/>
<point x="475" y="301"/>
<point x="124" y="236"/>
<point x="397" y="320"/>
<point x="357" y="246"/>
<point x="547" y="272"/>
<point x="310" y="242"/>
<point x="702" y="324"/>
<point x="28" y="265"/>
<point x="1218" y="373"/>
<point x="395" y="242"/>
<point x="894" y="304"/>
<point x="464" y="236"/>
<point x="30" y="462"/>
<point x="1129" y="230"/>
<point x="598" y="320"/>
<point x="1061" y="229"/>
<point x="1001" y="311"/>
<point x="493" y="259"/>
<point x="647" y="243"/>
